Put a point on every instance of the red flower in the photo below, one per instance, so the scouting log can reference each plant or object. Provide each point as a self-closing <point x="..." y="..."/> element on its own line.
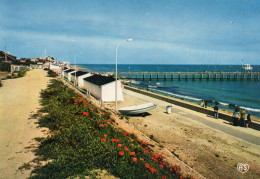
<point x="142" y="159"/>
<point x="85" y="113"/>
<point x="115" y="140"/>
<point x="161" y="166"/>
<point x="68" y="101"/>
<point x="180" y="177"/>
<point x="177" y="171"/>
<point x="61" y="100"/>
<point x="147" y="166"/>
<point x="105" y="135"/>
<point x="152" y="170"/>
<point x="135" y="159"/>
<point x="103" y="140"/>
<point x="132" y="153"/>
<point x="126" y="149"/>
<point x="101" y="125"/>
<point x="119" y="145"/>
<point x="121" y="153"/>
<point x="95" y="131"/>
<point x="105" y="124"/>
<point x="164" y="163"/>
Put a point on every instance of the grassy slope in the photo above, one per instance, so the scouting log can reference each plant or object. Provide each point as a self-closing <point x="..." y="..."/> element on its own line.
<point x="83" y="139"/>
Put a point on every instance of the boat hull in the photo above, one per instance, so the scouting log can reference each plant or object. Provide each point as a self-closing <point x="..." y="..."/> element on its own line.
<point x="137" y="111"/>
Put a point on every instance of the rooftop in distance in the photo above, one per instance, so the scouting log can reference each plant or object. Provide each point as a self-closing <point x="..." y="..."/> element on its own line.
<point x="79" y="73"/>
<point x="100" y="80"/>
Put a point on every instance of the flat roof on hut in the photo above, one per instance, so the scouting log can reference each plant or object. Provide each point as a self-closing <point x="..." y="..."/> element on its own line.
<point x="69" y="70"/>
<point x="99" y="79"/>
<point x="79" y="73"/>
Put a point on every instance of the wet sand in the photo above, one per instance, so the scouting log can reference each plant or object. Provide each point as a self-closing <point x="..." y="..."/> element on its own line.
<point x="19" y="100"/>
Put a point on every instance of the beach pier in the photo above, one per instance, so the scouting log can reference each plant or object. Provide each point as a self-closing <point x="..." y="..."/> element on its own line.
<point x="254" y="76"/>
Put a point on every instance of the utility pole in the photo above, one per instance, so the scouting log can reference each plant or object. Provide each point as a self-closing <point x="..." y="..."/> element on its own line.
<point x="5" y="54"/>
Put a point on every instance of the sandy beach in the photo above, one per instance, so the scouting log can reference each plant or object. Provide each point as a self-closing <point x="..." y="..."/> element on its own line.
<point x="19" y="100"/>
<point x="212" y="147"/>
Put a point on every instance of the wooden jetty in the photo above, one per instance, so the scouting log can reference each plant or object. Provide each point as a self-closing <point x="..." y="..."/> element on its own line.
<point x="190" y="75"/>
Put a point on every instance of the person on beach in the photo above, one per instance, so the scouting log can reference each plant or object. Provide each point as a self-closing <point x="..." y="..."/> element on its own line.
<point x="248" y="121"/>
<point x="216" y="111"/>
<point x="206" y="103"/>
<point x="202" y="103"/>
<point x="236" y="117"/>
<point x="242" y="118"/>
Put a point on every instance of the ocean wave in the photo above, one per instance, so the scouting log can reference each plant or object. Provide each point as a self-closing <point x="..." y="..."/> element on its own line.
<point x="135" y="82"/>
<point x="223" y="104"/>
<point x="177" y="95"/>
<point x="197" y="99"/>
<point x="250" y="109"/>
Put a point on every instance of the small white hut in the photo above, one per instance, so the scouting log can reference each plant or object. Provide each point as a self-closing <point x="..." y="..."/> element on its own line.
<point x="103" y="87"/>
<point x="67" y="73"/>
<point x="63" y="70"/>
<point x="80" y="75"/>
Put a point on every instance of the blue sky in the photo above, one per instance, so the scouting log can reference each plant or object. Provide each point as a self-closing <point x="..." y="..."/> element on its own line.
<point x="163" y="32"/>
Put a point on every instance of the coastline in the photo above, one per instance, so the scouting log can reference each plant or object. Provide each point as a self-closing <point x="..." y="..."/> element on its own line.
<point x="178" y="136"/>
<point x="227" y="115"/>
<point x="197" y="139"/>
<point x="182" y="136"/>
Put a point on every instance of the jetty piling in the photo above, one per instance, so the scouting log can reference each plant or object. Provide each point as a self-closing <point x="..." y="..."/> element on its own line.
<point x="179" y="76"/>
<point x="190" y="75"/>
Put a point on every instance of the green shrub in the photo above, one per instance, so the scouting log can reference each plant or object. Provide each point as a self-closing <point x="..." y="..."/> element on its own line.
<point x="22" y="73"/>
<point x="51" y="73"/>
<point x="5" y="66"/>
<point x="83" y="139"/>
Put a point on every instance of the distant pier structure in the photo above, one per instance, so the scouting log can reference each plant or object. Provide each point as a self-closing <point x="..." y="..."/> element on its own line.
<point x="190" y="75"/>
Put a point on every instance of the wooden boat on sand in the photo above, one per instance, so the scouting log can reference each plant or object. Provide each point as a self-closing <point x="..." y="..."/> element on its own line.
<point x="137" y="109"/>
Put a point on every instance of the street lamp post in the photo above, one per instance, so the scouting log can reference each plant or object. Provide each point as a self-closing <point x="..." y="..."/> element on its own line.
<point x="128" y="40"/>
<point x="75" y="58"/>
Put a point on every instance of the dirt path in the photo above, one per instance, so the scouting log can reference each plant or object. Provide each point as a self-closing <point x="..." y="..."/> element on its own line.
<point x="213" y="153"/>
<point x="19" y="99"/>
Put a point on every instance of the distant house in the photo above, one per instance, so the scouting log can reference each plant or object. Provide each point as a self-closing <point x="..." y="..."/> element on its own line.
<point x="36" y="66"/>
<point x="67" y="73"/>
<point x="7" y="57"/>
<point x="80" y="75"/>
<point x="18" y="68"/>
<point x="103" y="87"/>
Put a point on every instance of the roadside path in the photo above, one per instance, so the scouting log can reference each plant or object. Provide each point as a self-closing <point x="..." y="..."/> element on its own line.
<point x="19" y="99"/>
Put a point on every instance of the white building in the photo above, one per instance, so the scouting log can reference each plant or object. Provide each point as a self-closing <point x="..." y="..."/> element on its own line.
<point x="103" y="87"/>
<point x="80" y="75"/>
<point x="67" y="73"/>
<point x="63" y="70"/>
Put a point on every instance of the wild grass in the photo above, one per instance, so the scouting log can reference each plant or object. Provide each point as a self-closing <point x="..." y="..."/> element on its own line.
<point x="83" y="139"/>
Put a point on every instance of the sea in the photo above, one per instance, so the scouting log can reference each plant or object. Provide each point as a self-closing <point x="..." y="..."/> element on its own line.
<point x="228" y="93"/>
